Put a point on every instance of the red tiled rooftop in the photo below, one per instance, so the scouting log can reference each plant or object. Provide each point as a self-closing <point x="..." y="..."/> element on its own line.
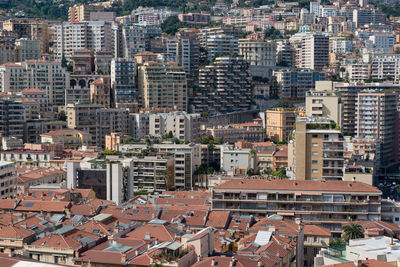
<point x="290" y="185"/>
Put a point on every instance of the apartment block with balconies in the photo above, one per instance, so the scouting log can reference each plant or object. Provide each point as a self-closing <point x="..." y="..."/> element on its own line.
<point x="327" y="203"/>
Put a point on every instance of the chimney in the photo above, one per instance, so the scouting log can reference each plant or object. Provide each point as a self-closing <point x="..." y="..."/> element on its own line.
<point x="259" y="264"/>
<point x="147" y="236"/>
<point x="358" y="263"/>
<point x="213" y="262"/>
<point x="298" y="221"/>
<point x="123" y="257"/>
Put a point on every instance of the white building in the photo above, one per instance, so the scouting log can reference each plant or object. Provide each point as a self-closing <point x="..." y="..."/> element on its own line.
<point x="327" y="11"/>
<point x="93" y="35"/>
<point x="382" y="42"/>
<point x="385" y="65"/>
<point x="341" y="46"/>
<point x="233" y="159"/>
<point x="182" y="125"/>
<point x="358" y="72"/>
<point x="258" y="53"/>
<point x="222" y="44"/>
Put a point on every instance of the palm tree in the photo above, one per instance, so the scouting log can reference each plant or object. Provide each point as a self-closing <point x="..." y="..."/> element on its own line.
<point x="352" y="231"/>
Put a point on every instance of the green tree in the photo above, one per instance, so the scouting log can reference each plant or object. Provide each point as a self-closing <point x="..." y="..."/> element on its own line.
<point x="61" y="116"/>
<point x="172" y="25"/>
<point x="352" y="231"/>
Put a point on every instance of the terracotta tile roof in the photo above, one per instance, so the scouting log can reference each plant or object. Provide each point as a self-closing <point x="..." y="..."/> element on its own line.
<point x="240" y="261"/>
<point x="187" y="194"/>
<point x="48" y="206"/>
<point x="85" y="193"/>
<point x="364" y="263"/>
<point x="8" y="204"/>
<point x="218" y="219"/>
<point x="83" y="209"/>
<point x="66" y="241"/>
<point x="33" y="90"/>
<point x="290" y="185"/>
<point x="241" y="223"/>
<point x="315" y="230"/>
<point x="265" y="224"/>
<point x="63" y="131"/>
<point x="157" y="232"/>
<point x="15" y="232"/>
<point x="388" y="227"/>
<point x="181" y="201"/>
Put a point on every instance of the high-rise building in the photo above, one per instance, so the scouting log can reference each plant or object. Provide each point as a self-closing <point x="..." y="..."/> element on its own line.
<point x="102" y="62"/>
<point x="221" y="45"/>
<point x="8" y="176"/>
<point x="385" y="66"/>
<point x="12" y="117"/>
<point x="100" y="92"/>
<point x="110" y="120"/>
<point x="314" y="51"/>
<point x="123" y="80"/>
<point x="48" y="76"/>
<point x="362" y="16"/>
<point x="258" y="53"/>
<point x="7" y="46"/>
<point x="92" y="35"/>
<point x="162" y="85"/>
<point x="184" y="126"/>
<point x="225" y="86"/>
<point x="316" y="150"/>
<point x="82" y="61"/>
<point x="285" y="53"/>
<point x="27" y="49"/>
<point x="30" y="28"/>
<point x="324" y="102"/>
<point x="377" y="119"/>
<point x="293" y="84"/>
<point x="133" y="40"/>
<point x="188" y="53"/>
<point x="279" y="123"/>
<point x="82" y="12"/>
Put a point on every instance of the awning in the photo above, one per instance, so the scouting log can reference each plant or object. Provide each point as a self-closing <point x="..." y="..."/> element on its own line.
<point x="312" y="194"/>
<point x="286" y="213"/>
<point x="297" y="194"/>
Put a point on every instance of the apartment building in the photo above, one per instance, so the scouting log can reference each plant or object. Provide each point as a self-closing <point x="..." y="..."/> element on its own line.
<point x="82" y="117"/>
<point x="324" y="103"/>
<point x="133" y="40"/>
<point x="237" y="160"/>
<point x="69" y="138"/>
<point x="285" y="53"/>
<point x="279" y="123"/>
<point x="363" y="16"/>
<point x="249" y="131"/>
<point x="258" y="53"/>
<point x="12" y="78"/>
<point x="317" y="150"/>
<point x="7" y="46"/>
<point x="12" y="117"/>
<point x="82" y="12"/>
<point x="313" y="51"/>
<point x="184" y="126"/>
<point x="187" y="158"/>
<point x="385" y="66"/>
<point x="162" y="85"/>
<point x="110" y="120"/>
<point x="358" y="72"/>
<point x="188" y="53"/>
<point x="123" y="80"/>
<point x="100" y="92"/>
<point x="205" y="33"/>
<point x="293" y="84"/>
<point x="28" y="157"/>
<point x="195" y="18"/>
<point x="139" y="124"/>
<point x="377" y="119"/>
<point x="153" y="174"/>
<point x="221" y="45"/>
<point x="225" y="86"/>
<point x="326" y="203"/>
<point x="93" y="35"/>
<point x="82" y="61"/>
<point x="48" y="76"/>
<point x="26" y="49"/>
<point x="30" y="28"/>
<point x="8" y="176"/>
<point x="102" y="62"/>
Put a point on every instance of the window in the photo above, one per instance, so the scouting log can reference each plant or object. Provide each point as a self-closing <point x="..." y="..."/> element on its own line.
<point x="314" y="144"/>
<point x="315" y="238"/>
<point x="314" y="153"/>
<point x="314" y="171"/>
<point x="315" y="162"/>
